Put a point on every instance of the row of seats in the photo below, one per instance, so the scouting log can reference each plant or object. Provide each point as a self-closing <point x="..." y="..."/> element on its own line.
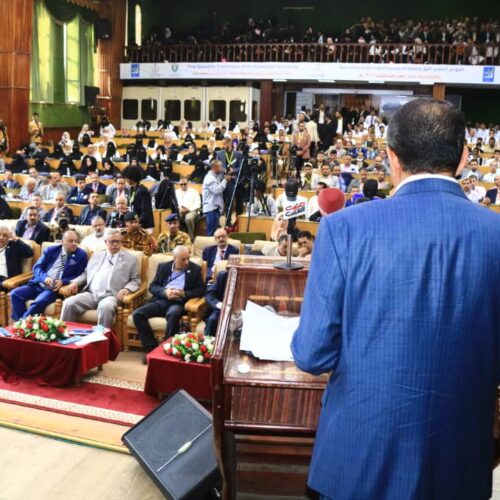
<point x="124" y="326"/>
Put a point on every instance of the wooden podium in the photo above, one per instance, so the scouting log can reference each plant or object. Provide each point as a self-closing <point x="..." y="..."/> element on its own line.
<point x="274" y="404"/>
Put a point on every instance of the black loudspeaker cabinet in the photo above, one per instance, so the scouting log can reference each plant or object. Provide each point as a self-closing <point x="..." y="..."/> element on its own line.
<point x="91" y="94"/>
<point x="102" y="29"/>
<point x="174" y="445"/>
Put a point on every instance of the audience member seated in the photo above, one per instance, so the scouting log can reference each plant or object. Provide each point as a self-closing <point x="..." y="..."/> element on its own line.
<point x="5" y="210"/>
<point x="32" y="228"/>
<point x="472" y="169"/>
<point x="12" y="252"/>
<point x="60" y="206"/>
<point x="95" y="186"/>
<point x="494" y="194"/>
<point x="327" y="177"/>
<point x="79" y="194"/>
<point x="189" y="203"/>
<point x="174" y="284"/>
<point x="57" y="267"/>
<point x="140" y="199"/>
<point x="266" y="204"/>
<point x="41" y="180"/>
<point x="94" y="242"/>
<point x="312" y="210"/>
<point x="109" y="169"/>
<point x="308" y="179"/>
<point x="305" y="241"/>
<point x="9" y="182"/>
<point x="214" y="298"/>
<point x="67" y="167"/>
<point x="37" y="202"/>
<point x="91" y="210"/>
<point x="468" y="191"/>
<point x="279" y="250"/>
<point x="480" y="191"/>
<point x="135" y="237"/>
<point x="360" y="181"/>
<point x="54" y="187"/>
<point x="116" y="219"/>
<point x="111" y="274"/>
<point x="172" y="238"/>
<point x="489" y="178"/>
<point x="220" y="251"/>
<point x="383" y="185"/>
<point x="88" y="165"/>
<point x="28" y="190"/>
<point x="118" y="188"/>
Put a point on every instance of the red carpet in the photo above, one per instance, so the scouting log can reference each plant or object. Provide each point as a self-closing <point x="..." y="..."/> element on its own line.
<point x="105" y="400"/>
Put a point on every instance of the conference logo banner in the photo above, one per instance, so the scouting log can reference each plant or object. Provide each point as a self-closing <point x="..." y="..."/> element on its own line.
<point x="323" y="72"/>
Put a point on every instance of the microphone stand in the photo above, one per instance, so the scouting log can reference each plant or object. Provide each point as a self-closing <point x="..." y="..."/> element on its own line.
<point x="288" y="264"/>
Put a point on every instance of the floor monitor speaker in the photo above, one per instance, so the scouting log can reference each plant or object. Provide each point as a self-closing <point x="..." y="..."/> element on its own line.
<point x="174" y="445"/>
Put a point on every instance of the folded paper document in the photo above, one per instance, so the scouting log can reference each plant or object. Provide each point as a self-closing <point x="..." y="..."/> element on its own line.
<point x="267" y="335"/>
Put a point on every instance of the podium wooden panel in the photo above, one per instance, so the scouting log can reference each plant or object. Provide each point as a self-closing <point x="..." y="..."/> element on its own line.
<point x="273" y="400"/>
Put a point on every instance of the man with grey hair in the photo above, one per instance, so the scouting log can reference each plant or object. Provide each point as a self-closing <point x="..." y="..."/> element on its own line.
<point x="175" y="282"/>
<point x="96" y="240"/>
<point x="111" y="274"/>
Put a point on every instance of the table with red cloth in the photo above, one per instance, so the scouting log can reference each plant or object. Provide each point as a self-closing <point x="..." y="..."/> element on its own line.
<point x="52" y="363"/>
<point x="166" y="374"/>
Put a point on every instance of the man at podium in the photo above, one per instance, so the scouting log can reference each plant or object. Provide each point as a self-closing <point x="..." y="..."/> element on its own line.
<point x="405" y="316"/>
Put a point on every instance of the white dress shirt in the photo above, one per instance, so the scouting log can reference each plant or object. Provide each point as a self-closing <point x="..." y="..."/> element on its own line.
<point x="100" y="283"/>
<point x="3" y="263"/>
<point x="189" y="199"/>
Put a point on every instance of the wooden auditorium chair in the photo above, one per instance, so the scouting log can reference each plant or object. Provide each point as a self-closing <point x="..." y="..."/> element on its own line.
<point x="194" y="308"/>
<point x="90" y="317"/>
<point x="14" y="281"/>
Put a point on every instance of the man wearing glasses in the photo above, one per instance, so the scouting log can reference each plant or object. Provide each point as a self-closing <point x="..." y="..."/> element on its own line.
<point x="111" y="274"/>
<point x="189" y="203"/>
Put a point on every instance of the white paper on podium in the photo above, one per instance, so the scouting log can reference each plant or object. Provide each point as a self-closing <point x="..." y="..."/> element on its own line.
<point x="266" y="334"/>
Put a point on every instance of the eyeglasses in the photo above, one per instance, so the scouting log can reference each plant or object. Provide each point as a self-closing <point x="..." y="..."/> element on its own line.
<point x="114" y="242"/>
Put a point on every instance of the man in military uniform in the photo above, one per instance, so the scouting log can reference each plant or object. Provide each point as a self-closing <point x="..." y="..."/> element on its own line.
<point x="134" y="237"/>
<point x="172" y="238"/>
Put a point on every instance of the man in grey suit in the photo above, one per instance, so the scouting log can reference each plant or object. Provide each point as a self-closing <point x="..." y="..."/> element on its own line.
<point x="110" y="275"/>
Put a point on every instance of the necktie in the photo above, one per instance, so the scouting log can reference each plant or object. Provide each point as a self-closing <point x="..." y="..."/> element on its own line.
<point x="221" y="254"/>
<point x="60" y="270"/>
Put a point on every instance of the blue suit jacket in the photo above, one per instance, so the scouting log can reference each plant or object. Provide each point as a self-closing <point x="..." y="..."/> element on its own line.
<point x="406" y="315"/>
<point x="209" y="254"/>
<point x="75" y="265"/>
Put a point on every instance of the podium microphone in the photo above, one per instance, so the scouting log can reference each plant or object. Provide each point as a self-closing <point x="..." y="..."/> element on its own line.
<point x="294" y="206"/>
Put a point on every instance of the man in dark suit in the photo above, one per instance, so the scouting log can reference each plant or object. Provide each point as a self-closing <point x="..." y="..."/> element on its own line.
<point x="95" y="186"/>
<point x="328" y="132"/>
<point x="175" y="282"/>
<point x="9" y="182"/>
<point x="58" y="266"/>
<point x="410" y="342"/>
<point x="91" y="210"/>
<point x="12" y="252"/>
<point x="214" y="298"/>
<point x="53" y="214"/>
<point x="494" y="193"/>
<point x="32" y="228"/>
<point x="140" y="199"/>
<point x="79" y="194"/>
<point x="215" y="253"/>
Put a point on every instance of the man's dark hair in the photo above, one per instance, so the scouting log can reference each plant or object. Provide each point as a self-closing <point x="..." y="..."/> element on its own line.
<point x="370" y="188"/>
<point x="282" y="238"/>
<point x="324" y="184"/>
<point x="305" y="234"/>
<point x="427" y="135"/>
<point x="133" y="173"/>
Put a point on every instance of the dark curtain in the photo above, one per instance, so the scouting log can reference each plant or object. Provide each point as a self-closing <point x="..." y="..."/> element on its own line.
<point x="64" y="11"/>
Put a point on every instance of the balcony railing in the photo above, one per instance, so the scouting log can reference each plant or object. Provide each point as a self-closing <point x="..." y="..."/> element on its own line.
<point x="313" y="52"/>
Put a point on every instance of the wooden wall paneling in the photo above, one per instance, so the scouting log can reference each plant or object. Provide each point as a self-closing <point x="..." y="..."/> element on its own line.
<point x="15" y="61"/>
<point x="110" y="55"/>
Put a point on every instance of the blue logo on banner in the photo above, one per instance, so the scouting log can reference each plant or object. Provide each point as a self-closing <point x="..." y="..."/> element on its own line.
<point x="135" y="70"/>
<point x="489" y="74"/>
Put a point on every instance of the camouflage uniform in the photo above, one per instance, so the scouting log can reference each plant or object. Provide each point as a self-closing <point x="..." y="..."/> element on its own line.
<point x="139" y="240"/>
<point x="167" y="244"/>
